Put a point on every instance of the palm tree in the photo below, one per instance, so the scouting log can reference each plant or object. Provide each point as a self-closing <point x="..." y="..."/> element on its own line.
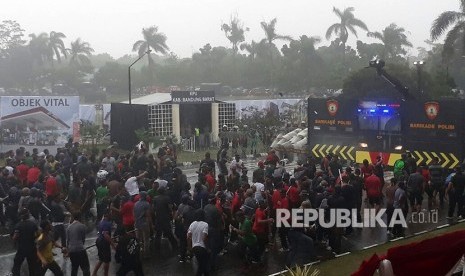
<point x="56" y="45"/>
<point x="38" y="46"/>
<point x="234" y="32"/>
<point x="456" y="36"/>
<point x="270" y="37"/>
<point x="152" y="40"/>
<point x="252" y="48"/>
<point x="270" y="32"/>
<point x="394" y="40"/>
<point x="347" y="23"/>
<point x="79" y="53"/>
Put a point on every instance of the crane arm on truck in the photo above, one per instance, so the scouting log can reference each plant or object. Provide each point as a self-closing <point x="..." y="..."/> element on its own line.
<point x="378" y="64"/>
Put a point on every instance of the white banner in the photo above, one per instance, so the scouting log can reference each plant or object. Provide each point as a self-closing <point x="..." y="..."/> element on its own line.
<point x="34" y="120"/>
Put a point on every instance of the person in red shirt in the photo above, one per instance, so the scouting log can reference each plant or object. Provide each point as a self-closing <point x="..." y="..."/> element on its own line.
<point x="237" y="200"/>
<point x="51" y="188"/>
<point x="272" y="159"/>
<point x="32" y="175"/>
<point x="373" y="189"/>
<point x="283" y="203"/>
<point x="210" y="180"/>
<point x="127" y="213"/>
<point x="366" y="169"/>
<point x="427" y="184"/>
<point x="21" y="173"/>
<point x="261" y="225"/>
<point x="293" y="194"/>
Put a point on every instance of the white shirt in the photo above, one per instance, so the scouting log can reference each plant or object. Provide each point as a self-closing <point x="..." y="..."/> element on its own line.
<point x="260" y="189"/>
<point x="161" y="183"/>
<point x="238" y="165"/>
<point x="198" y="230"/>
<point x="132" y="186"/>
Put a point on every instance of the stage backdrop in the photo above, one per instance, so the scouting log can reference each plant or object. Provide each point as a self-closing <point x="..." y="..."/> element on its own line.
<point x="34" y="120"/>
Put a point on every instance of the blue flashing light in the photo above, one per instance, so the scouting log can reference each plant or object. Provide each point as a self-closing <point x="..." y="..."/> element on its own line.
<point x="372" y="110"/>
<point x="359" y="110"/>
<point x="386" y="111"/>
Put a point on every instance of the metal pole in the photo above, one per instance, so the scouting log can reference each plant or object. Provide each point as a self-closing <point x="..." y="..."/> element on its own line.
<point x="129" y="82"/>
<point x="129" y="75"/>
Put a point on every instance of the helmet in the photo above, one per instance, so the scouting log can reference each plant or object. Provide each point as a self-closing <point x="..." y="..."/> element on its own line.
<point x="102" y="174"/>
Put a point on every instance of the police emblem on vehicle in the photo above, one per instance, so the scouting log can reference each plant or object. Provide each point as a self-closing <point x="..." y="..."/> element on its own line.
<point x="332" y="106"/>
<point x="432" y="110"/>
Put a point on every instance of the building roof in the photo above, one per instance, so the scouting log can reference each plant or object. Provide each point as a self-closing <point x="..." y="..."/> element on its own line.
<point x="39" y="118"/>
<point x="152" y="99"/>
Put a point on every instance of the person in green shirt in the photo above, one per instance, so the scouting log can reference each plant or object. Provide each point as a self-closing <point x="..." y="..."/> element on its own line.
<point x="28" y="160"/>
<point x="152" y="189"/>
<point x="102" y="198"/>
<point x="248" y="240"/>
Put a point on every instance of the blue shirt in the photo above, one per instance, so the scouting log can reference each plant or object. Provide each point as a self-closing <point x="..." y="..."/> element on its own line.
<point x="104" y="226"/>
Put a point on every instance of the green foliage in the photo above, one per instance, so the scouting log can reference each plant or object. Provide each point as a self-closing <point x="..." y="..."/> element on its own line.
<point x="366" y="83"/>
<point x="300" y="67"/>
<point x="234" y="32"/>
<point x="455" y="23"/>
<point x="394" y="40"/>
<point x="145" y="136"/>
<point x="11" y="36"/>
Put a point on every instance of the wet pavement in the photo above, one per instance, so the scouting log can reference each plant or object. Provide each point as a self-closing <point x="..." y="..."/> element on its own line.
<point x="165" y="262"/>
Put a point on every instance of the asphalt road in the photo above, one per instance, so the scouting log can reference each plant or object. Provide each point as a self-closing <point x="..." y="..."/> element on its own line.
<point x="165" y="261"/>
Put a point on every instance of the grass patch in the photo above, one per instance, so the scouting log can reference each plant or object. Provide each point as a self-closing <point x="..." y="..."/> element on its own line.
<point x="187" y="156"/>
<point x="348" y="264"/>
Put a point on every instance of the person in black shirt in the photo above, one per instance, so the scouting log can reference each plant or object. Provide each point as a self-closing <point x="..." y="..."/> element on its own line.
<point x="208" y="162"/>
<point x="127" y="253"/>
<point x="163" y="215"/>
<point x="25" y="233"/>
<point x="57" y="216"/>
<point x="357" y="182"/>
<point x="436" y="172"/>
<point x="335" y="167"/>
<point x="455" y="192"/>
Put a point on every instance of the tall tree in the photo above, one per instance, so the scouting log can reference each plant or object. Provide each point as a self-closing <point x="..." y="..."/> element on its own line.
<point x="153" y="40"/>
<point x="347" y="22"/>
<point x="394" y="40"/>
<point x="270" y="32"/>
<point x="11" y="35"/>
<point x="455" y="38"/>
<point x="79" y="53"/>
<point x="57" y="46"/>
<point x="252" y="48"/>
<point x="234" y="32"/>
<point x="38" y="46"/>
<point x="270" y="36"/>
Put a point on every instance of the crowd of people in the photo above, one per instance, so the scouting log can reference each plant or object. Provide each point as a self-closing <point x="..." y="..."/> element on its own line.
<point x="138" y="198"/>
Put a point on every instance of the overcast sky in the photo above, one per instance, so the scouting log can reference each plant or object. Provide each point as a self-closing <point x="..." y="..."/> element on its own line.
<point x="113" y="26"/>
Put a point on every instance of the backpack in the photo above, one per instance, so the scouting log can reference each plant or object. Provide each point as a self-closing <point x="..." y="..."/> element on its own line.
<point x="399" y="166"/>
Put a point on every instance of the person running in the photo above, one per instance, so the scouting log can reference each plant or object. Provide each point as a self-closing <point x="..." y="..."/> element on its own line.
<point x="197" y="237"/>
<point x="76" y="237"/>
<point x="104" y="244"/>
<point x="127" y="253"/>
<point x="373" y="187"/>
<point x="143" y="222"/>
<point x="45" y="244"/>
<point x="24" y="234"/>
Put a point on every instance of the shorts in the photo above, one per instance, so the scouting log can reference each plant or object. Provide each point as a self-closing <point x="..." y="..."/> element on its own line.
<point x="374" y="200"/>
<point x="104" y="250"/>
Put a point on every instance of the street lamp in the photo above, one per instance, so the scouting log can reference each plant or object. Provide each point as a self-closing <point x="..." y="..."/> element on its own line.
<point x="419" y="64"/>
<point x="129" y="72"/>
